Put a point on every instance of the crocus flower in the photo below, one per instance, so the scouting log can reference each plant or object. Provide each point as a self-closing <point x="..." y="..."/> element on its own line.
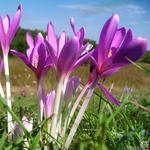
<point x="36" y="57"/>
<point x="48" y="103"/>
<point x="8" y="30"/>
<point x="66" y="54"/>
<point x="38" y="61"/>
<point x="115" y="49"/>
<point x="71" y="88"/>
<point x="80" y="34"/>
<point x="27" y="124"/>
<point x="17" y="131"/>
<point x="127" y="90"/>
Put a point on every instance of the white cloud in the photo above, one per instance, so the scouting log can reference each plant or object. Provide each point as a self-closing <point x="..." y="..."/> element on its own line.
<point x="134" y="9"/>
<point x="90" y="10"/>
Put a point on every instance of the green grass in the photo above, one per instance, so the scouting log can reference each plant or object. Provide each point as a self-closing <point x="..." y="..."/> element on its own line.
<point x="103" y="126"/>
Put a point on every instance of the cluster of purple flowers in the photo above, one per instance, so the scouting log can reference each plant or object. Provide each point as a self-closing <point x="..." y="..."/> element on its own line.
<point x="117" y="47"/>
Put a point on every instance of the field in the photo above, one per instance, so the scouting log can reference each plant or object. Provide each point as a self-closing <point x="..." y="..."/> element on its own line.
<point x="130" y="76"/>
<point x="103" y="126"/>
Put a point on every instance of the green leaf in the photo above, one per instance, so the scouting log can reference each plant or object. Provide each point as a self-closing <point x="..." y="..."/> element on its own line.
<point x="2" y="140"/>
<point x="36" y="140"/>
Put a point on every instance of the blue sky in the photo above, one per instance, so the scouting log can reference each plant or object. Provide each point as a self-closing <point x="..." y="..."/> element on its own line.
<point x="91" y="14"/>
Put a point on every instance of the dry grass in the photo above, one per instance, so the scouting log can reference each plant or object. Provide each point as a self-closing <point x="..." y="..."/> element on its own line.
<point x="23" y="78"/>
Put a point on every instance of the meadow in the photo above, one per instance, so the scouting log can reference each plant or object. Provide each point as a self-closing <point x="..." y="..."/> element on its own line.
<point x="104" y="126"/>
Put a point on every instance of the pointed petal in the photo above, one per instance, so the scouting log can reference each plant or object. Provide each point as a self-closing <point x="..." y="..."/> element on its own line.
<point x="6" y="24"/>
<point x="110" y="71"/>
<point x="72" y="25"/>
<point x="106" y="37"/>
<point x="128" y="38"/>
<point x="29" y="39"/>
<point x="38" y="52"/>
<point x="27" y="124"/>
<point x="48" y="62"/>
<point x="2" y="33"/>
<point x="71" y="88"/>
<point x="51" y="53"/>
<point x="23" y="58"/>
<point x="81" y="60"/>
<point x="62" y="41"/>
<point x="49" y="103"/>
<point x="51" y="36"/>
<point x="15" y="23"/>
<point x="30" y="43"/>
<point x="39" y="38"/>
<point x="41" y="57"/>
<point x="67" y="57"/>
<point x="80" y="35"/>
<point x="133" y="51"/>
<point x="118" y="38"/>
<point x="108" y="95"/>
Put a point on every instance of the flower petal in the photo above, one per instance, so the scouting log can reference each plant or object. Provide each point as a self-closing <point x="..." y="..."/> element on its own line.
<point x="67" y="57"/>
<point x="132" y="51"/>
<point x="6" y="24"/>
<point x="23" y="58"/>
<point x="118" y="38"/>
<point x="110" y="71"/>
<point x="51" y="53"/>
<point x="128" y="38"/>
<point x="48" y="104"/>
<point x="106" y="37"/>
<point x="48" y="62"/>
<point x="81" y="60"/>
<point x="30" y="43"/>
<point x="71" y="88"/>
<point x="72" y="25"/>
<point x="61" y="42"/>
<point x="39" y="38"/>
<point x="15" y="23"/>
<point x="80" y="35"/>
<point x="41" y="50"/>
<point x="52" y="37"/>
<point x="108" y="95"/>
<point x="2" y="33"/>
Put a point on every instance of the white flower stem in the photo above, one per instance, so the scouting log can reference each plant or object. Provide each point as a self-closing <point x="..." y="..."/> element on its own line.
<point x="40" y="100"/>
<point x="76" y="104"/>
<point x="79" y="116"/>
<point x="57" y="107"/>
<point x="8" y="93"/>
<point x="1" y="91"/>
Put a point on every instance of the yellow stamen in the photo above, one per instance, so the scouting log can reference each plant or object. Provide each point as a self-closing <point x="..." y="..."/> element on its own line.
<point x="110" y="54"/>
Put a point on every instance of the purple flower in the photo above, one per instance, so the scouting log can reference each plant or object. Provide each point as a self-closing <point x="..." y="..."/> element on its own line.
<point x="48" y="103"/>
<point x="115" y="49"/>
<point x="71" y="89"/>
<point x="66" y="54"/>
<point x="27" y="124"/>
<point x="127" y="90"/>
<point x="17" y="130"/>
<point x="8" y="30"/>
<point x="80" y="34"/>
<point x="36" y="57"/>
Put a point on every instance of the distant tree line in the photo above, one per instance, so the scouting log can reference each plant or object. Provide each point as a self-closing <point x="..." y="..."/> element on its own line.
<point x="19" y="42"/>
